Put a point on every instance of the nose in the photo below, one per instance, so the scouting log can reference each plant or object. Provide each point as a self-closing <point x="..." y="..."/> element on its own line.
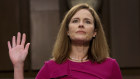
<point x="81" y="25"/>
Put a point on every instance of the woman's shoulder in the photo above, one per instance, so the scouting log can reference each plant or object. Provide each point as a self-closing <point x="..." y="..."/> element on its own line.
<point x="114" y="67"/>
<point x="51" y="69"/>
<point x="52" y="64"/>
<point x="110" y="61"/>
<point x="56" y="70"/>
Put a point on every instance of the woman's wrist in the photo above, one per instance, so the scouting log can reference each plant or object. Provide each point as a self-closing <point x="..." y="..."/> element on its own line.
<point x="18" y="66"/>
<point x="19" y="71"/>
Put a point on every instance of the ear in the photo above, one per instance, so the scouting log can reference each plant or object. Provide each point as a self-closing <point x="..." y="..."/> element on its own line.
<point x="68" y="33"/>
<point x="94" y="34"/>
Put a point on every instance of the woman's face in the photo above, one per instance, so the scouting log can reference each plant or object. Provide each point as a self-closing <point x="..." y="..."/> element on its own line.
<point x="81" y="26"/>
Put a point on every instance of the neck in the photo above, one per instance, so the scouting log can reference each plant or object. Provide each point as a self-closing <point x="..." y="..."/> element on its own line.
<point x="79" y="51"/>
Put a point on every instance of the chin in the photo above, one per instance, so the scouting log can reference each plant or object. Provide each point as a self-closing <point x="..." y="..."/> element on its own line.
<point x="81" y="39"/>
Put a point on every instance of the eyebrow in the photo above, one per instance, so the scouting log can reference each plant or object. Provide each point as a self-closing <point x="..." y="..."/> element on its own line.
<point x="75" y="18"/>
<point x="84" y="18"/>
<point x="88" y="19"/>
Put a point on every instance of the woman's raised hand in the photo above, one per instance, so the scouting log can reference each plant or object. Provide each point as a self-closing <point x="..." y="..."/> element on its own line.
<point x="18" y="50"/>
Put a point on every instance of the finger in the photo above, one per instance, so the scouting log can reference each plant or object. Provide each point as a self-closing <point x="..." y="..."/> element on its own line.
<point x="14" y="41"/>
<point x="18" y="38"/>
<point x="27" y="46"/>
<point x="23" y="39"/>
<point x="9" y="45"/>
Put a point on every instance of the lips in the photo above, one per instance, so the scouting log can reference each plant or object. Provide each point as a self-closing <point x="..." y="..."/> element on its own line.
<point x="80" y="31"/>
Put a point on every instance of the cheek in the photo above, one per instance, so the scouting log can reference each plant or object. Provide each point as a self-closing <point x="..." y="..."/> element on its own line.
<point x="72" y="29"/>
<point x="90" y="32"/>
<point x="90" y="29"/>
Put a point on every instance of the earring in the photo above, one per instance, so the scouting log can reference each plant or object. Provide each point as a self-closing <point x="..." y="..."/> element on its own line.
<point x="94" y="37"/>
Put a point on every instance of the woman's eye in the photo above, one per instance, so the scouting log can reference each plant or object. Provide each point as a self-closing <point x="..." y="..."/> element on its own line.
<point x="88" y="22"/>
<point x="74" y="21"/>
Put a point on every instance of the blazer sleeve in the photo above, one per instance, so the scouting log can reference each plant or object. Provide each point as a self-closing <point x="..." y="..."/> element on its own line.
<point x="44" y="72"/>
<point x="116" y="73"/>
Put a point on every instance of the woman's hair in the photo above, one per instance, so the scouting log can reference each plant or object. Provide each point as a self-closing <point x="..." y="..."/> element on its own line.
<point x="98" y="49"/>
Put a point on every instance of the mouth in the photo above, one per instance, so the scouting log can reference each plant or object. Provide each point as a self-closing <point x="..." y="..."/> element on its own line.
<point x="80" y="32"/>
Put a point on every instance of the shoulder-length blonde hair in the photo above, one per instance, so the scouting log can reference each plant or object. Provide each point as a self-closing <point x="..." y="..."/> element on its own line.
<point x="98" y="50"/>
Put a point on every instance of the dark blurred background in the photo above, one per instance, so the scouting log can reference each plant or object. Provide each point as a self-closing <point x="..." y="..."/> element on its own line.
<point x="40" y="20"/>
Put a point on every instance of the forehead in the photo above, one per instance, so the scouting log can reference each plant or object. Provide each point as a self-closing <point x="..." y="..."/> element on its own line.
<point x="83" y="13"/>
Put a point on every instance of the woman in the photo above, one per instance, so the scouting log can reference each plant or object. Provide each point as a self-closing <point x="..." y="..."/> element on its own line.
<point x="80" y="51"/>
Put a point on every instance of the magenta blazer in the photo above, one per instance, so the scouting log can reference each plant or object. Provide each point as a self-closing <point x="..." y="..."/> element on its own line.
<point x="108" y="69"/>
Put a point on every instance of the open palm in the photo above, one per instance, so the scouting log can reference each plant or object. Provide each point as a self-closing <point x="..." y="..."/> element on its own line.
<point x="17" y="51"/>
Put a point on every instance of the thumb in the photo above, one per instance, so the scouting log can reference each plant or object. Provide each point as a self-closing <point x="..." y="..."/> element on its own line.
<point x="27" y="46"/>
